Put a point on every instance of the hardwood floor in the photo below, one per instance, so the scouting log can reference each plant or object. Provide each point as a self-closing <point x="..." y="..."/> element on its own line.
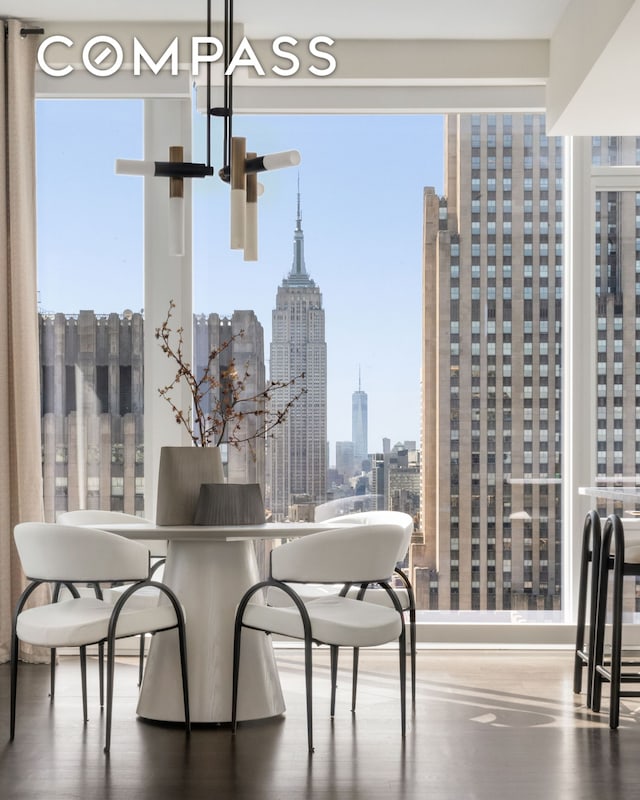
<point x="487" y="724"/>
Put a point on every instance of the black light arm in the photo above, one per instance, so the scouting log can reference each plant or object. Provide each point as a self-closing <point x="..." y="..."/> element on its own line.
<point x="181" y="169"/>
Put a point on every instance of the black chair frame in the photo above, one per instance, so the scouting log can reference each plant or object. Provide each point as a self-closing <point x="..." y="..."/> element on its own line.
<point x="612" y="672"/>
<point x="412" y="635"/>
<point x="587" y="586"/>
<point x="154" y="567"/>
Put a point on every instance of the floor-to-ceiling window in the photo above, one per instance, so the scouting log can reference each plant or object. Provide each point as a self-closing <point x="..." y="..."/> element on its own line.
<point x="515" y="186"/>
<point x="494" y="265"/>
<point x="90" y="305"/>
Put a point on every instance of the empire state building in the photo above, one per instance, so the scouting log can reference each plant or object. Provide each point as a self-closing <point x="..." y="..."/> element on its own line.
<point x="299" y="448"/>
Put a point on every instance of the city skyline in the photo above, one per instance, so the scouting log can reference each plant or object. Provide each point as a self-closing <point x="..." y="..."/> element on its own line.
<point x="363" y="222"/>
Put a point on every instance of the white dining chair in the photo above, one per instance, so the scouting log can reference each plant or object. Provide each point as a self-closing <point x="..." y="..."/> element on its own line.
<point x="375" y="594"/>
<point x="68" y="555"/>
<point x="351" y="554"/>
<point x="146" y="598"/>
<point x="370" y="593"/>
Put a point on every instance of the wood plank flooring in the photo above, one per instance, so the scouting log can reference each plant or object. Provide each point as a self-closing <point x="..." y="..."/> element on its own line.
<point x="487" y="724"/>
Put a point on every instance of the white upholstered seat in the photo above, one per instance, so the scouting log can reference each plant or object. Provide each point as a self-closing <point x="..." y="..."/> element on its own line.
<point x="336" y="620"/>
<point x="72" y="623"/>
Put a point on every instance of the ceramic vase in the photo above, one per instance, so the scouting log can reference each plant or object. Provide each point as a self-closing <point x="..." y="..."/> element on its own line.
<point x="182" y="472"/>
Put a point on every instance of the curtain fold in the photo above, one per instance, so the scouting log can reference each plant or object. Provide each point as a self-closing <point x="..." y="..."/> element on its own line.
<point x="20" y="442"/>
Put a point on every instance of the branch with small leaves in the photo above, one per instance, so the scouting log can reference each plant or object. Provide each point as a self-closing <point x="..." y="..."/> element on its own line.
<point x="223" y="389"/>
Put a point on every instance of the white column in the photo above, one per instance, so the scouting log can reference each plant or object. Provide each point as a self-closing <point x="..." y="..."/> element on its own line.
<point x="578" y="361"/>
<point x="166" y="277"/>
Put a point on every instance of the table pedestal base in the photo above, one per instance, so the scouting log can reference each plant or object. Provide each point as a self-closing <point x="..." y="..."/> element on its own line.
<point x="210" y="577"/>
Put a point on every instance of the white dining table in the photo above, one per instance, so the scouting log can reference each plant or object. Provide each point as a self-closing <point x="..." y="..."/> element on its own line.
<point x="209" y="568"/>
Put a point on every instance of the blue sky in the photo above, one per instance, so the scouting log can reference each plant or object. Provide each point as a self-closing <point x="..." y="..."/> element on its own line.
<point x="362" y="181"/>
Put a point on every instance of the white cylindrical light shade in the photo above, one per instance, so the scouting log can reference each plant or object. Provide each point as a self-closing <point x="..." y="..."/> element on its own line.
<point x="176" y="226"/>
<point x="238" y="203"/>
<point x="288" y="158"/>
<point x="125" y="166"/>
<point x="251" y="232"/>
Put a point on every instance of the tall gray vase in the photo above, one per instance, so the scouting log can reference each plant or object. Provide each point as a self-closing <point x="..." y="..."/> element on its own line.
<point x="182" y="472"/>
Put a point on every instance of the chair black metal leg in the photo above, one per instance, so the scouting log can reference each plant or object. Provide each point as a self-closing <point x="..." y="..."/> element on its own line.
<point x="141" y="660"/>
<point x="110" y="677"/>
<point x="237" y="641"/>
<point x="616" y="645"/>
<point x="101" y="673"/>
<point x="182" y="639"/>
<point x="413" y="654"/>
<point x="584" y="656"/>
<point x="600" y="622"/>
<point x="413" y="639"/>
<point x="596" y="554"/>
<point x="83" y="681"/>
<point x="334" y="677"/>
<point x="598" y="654"/>
<point x="14" y="685"/>
<point x="52" y="674"/>
<point x="354" y="677"/>
<point x="403" y="681"/>
<point x="55" y="596"/>
<point x="578" y="662"/>
<point x="15" y="645"/>
<point x="308" y="669"/>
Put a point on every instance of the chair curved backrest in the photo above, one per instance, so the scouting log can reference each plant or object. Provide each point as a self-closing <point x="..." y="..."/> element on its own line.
<point x="347" y="505"/>
<point x="94" y="516"/>
<point x="380" y="518"/>
<point x="50" y="551"/>
<point x="348" y="554"/>
<point x="99" y="516"/>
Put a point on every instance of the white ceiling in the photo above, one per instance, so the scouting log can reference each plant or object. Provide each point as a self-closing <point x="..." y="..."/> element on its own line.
<point x="453" y="19"/>
<point x="578" y="60"/>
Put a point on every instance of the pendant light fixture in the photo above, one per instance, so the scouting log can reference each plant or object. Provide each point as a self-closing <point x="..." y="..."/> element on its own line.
<point x="239" y="169"/>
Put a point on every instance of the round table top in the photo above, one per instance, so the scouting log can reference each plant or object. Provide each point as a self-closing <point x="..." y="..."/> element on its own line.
<point x="223" y="533"/>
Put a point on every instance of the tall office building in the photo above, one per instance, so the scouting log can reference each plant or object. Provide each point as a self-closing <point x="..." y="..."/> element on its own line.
<point x="359" y="426"/>
<point x="617" y="287"/>
<point x="92" y="372"/>
<point x="298" y="459"/>
<point x="246" y="462"/>
<point x="491" y="369"/>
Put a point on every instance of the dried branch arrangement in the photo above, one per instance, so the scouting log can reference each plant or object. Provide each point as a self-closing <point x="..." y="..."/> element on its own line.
<point x="221" y="389"/>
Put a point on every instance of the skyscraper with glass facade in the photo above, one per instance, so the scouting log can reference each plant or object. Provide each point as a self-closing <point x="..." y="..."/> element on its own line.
<point x="359" y="426"/>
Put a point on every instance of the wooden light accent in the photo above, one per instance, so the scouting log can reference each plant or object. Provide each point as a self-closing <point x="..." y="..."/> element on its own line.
<point x="238" y="191"/>
<point x="251" y="218"/>
<point x="176" y="205"/>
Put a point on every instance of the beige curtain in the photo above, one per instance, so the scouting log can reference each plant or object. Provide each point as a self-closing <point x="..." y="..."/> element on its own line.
<point x="20" y="449"/>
